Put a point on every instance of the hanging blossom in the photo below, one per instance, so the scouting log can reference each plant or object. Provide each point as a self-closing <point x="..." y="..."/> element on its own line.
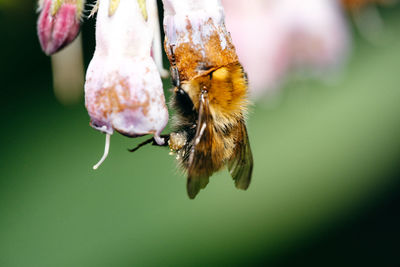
<point x="196" y="39"/>
<point x="273" y="38"/>
<point x="123" y="89"/>
<point x="58" y="23"/>
<point x="318" y="38"/>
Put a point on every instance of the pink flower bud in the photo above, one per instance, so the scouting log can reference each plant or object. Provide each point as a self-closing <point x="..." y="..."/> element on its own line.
<point x="58" y="25"/>
<point x="123" y="89"/>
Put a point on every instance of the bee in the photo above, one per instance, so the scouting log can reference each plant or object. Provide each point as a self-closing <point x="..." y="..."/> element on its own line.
<point x="209" y="126"/>
<point x="209" y="130"/>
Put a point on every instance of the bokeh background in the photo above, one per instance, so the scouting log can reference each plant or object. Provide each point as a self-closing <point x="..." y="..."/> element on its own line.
<point x="325" y="189"/>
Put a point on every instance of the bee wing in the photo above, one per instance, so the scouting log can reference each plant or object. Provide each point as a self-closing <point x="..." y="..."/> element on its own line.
<point x="200" y="159"/>
<point x="195" y="183"/>
<point x="241" y="164"/>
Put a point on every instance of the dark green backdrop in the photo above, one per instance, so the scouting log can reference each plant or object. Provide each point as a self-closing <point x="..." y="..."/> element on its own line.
<point x="326" y="173"/>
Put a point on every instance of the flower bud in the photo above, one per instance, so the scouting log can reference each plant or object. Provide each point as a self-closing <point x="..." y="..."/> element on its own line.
<point x="58" y="23"/>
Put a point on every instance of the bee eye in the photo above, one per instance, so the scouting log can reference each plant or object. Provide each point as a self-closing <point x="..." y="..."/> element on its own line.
<point x="183" y="102"/>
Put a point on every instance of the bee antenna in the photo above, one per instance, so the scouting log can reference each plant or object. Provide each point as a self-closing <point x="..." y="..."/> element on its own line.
<point x="106" y="149"/>
<point x="171" y="51"/>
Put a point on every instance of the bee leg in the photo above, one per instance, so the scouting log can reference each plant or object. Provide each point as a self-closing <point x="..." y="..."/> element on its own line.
<point x="153" y="141"/>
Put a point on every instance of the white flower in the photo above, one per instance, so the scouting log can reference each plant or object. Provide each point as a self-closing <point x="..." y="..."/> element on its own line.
<point x="123" y="89"/>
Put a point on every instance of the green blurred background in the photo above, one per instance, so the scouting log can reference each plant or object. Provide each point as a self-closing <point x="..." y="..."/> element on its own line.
<point x="325" y="189"/>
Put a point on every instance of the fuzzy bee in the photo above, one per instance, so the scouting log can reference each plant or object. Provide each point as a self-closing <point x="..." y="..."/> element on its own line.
<point x="209" y="127"/>
<point x="210" y="95"/>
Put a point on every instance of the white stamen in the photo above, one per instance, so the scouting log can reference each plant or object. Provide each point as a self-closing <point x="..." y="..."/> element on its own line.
<point x="106" y="149"/>
<point x="159" y="140"/>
